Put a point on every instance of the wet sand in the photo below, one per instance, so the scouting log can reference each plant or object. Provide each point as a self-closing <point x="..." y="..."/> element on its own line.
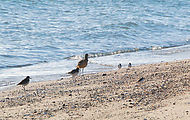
<point x="163" y="93"/>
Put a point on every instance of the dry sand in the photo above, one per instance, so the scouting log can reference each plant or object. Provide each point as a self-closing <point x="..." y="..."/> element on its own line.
<point x="116" y="95"/>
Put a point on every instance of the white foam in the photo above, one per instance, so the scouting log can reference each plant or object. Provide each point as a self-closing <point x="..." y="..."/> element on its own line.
<point x="145" y="57"/>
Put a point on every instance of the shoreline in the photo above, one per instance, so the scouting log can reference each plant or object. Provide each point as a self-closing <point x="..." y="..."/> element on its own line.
<point x="57" y="69"/>
<point x="105" y="95"/>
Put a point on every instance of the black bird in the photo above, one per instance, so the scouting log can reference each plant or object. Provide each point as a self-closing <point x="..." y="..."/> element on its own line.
<point x="74" y="72"/>
<point x="24" y="82"/>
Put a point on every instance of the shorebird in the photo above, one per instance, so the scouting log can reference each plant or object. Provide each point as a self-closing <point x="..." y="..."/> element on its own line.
<point x="129" y="65"/>
<point x="24" y="82"/>
<point x="119" y="66"/>
<point x="74" y="72"/>
<point x="83" y="63"/>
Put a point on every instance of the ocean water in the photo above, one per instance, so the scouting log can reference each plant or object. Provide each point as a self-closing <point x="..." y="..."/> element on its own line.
<point x="46" y="38"/>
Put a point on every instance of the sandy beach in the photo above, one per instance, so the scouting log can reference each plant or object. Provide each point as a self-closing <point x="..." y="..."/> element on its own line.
<point x="163" y="93"/>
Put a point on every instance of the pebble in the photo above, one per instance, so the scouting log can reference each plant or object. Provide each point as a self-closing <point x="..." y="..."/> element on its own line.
<point x="130" y="106"/>
<point x="187" y="112"/>
<point x="104" y="74"/>
<point x="104" y="82"/>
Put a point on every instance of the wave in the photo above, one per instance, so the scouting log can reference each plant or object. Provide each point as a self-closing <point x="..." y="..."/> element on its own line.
<point x="12" y="56"/>
<point x="19" y="66"/>
<point x="93" y="55"/>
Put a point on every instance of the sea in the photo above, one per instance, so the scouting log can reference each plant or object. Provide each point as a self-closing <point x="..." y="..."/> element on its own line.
<point x="45" y="39"/>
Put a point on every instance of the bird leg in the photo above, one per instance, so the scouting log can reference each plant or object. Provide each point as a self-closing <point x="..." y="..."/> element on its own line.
<point x="24" y="87"/>
<point x="73" y="77"/>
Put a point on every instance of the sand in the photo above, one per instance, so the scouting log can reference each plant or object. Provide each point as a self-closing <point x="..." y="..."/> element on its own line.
<point x="163" y="93"/>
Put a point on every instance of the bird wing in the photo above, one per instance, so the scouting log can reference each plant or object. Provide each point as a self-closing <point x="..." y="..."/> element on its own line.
<point x="70" y="72"/>
<point x="22" y="82"/>
<point x="73" y="71"/>
<point x="82" y="64"/>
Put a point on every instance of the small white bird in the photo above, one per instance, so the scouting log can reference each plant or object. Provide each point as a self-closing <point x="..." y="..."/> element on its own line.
<point x="119" y="66"/>
<point x="129" y="65"/>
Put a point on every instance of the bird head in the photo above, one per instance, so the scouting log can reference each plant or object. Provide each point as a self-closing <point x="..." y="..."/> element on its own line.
<point x="28" y="77"/>
<point x="86" y="56"/>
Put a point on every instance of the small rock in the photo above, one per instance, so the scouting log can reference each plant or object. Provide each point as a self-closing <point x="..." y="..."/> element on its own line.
<point x="35" y="111"/>
<point x="7" y="98"/>
<point x="130" y="106"/>
<point x="131" y="103"/>
<point x="125" y="104"/>
<point x="141" y="79"/>
<point x="187" y="112"/>
<point x="63" y="105"/>
<point x="104" y="82"/>
<point x="2" y="101"/>
<point x="104" y="74"/>
<point x="26" y="114"/>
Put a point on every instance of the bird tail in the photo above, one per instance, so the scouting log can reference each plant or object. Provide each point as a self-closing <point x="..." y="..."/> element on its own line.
<point x="18" y="84"/>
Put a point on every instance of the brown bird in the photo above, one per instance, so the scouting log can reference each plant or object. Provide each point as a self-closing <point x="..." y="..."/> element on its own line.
<point x="74" y="72"/>
<point x="83" y="63"/>
<point x="24" y="82"/>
